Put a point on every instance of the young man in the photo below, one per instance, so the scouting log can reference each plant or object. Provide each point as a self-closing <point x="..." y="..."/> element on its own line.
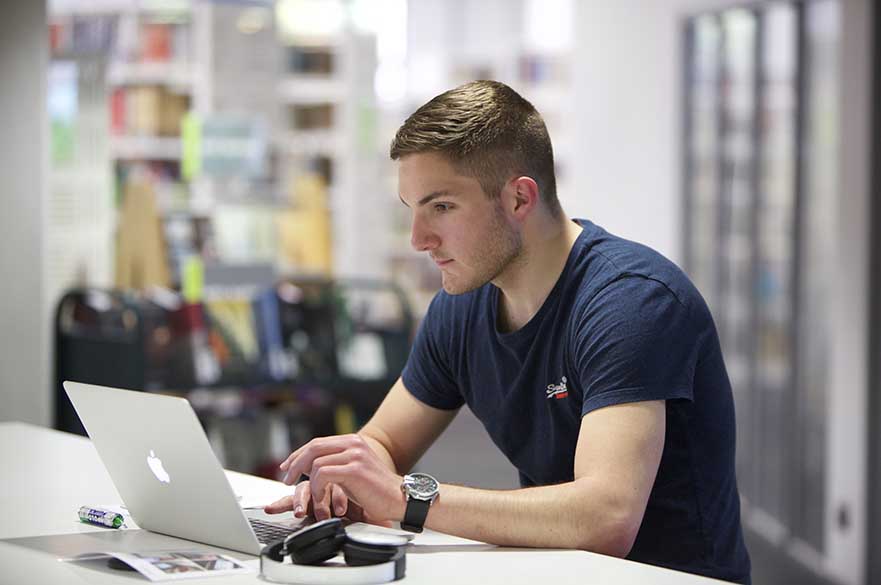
<point x="592" y="361"/>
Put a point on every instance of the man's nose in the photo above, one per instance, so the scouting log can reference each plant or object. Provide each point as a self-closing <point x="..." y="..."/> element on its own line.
<point x="421" y="237"/>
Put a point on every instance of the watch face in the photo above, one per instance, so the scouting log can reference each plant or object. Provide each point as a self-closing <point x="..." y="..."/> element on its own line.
<point x="422" y="486"/>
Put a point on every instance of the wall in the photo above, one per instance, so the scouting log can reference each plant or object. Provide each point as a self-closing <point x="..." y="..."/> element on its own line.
<point x="24" y="321"/>
<point x="627" y="139"/>
<point x="626" y="85"/>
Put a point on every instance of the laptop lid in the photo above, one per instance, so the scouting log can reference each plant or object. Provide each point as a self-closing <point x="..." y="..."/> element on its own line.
<point x="161" y="462"/>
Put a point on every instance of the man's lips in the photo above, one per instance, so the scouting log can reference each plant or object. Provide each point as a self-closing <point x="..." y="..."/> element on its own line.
<point x="441" y="263"/>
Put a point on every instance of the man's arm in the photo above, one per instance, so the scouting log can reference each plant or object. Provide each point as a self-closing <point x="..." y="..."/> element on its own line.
<point x="403" y="428"/>
<point x="616" y="460"/>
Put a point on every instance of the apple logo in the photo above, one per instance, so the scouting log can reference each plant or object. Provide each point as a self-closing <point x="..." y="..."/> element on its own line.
<point x="155" y="465"/>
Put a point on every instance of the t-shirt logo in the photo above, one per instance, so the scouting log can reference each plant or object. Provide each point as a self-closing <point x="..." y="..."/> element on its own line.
<point x="558" y="391"/>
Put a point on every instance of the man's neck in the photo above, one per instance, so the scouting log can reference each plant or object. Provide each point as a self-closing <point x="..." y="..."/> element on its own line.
<point x="526" y="284"/>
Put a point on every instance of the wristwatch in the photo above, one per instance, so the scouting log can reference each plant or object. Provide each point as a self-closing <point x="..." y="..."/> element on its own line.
<point x="421" y="490"/>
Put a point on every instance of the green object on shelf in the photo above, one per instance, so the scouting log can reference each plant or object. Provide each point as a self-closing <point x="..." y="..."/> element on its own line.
<point x="193" y="279"/>
<point x="191" y="137"/>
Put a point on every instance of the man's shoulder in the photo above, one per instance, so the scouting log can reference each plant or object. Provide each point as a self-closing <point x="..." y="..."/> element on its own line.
<point x="604" y="260"/>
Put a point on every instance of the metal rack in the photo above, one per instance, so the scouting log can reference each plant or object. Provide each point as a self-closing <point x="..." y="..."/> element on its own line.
<point x="341" y="345"/>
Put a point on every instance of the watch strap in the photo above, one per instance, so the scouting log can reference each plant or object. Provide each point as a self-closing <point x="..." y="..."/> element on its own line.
<point x="415" y="514"/>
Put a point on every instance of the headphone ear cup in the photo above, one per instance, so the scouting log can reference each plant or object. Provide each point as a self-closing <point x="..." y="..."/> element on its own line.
<point x="319" y="551"/>
<point x="358" y="554"/>
<point x="373" y="549"/>
<point x="316" y="543"/>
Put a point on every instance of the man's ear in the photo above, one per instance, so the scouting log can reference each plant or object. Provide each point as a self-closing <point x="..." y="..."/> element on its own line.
<point x="523" y="197"/>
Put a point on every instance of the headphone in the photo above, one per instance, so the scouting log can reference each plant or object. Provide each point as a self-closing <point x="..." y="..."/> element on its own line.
<point x="369" y="558"/>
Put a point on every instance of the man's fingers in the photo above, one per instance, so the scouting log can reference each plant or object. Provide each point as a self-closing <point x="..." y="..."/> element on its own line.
<point x="355" y="513"/>
<point x="321" y="505"/>
<point x="298" y="503"/>
<point x="283" y="505"/>
<point x="300" y="461"/>
<point x="320" y="466"/>
<point x="302" y="500"/>
<point x="287" y="462"/>
<point x="339" y="499"/>
<point x="303" y="497"/>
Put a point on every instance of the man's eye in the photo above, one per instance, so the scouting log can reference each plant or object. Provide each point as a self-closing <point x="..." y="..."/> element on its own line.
<point x="442" y="207"/>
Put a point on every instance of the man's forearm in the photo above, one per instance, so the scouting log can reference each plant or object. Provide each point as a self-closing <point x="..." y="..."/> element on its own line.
<point x="570" y="515"/>
<point x="380" y="449"/>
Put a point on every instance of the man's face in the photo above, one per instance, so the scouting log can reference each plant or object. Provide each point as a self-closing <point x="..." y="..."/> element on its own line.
<point x="467" y="235"/>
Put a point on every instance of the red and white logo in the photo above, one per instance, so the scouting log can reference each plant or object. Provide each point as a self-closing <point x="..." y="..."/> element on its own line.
<point x="558" y="391"/>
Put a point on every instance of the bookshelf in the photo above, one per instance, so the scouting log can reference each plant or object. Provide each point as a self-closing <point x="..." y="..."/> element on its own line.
<point x="258" y="144"/>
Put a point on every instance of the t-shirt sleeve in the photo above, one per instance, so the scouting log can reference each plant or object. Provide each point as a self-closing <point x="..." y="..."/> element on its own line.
<point x="634" y="341"/>
<point x="428" y="373"/>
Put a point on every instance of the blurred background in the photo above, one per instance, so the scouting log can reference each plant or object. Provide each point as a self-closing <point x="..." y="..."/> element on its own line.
<point x="197" y="199"/>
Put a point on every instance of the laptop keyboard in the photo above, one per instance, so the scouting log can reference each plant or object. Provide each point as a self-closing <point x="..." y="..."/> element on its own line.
<point x="268" y="531"/>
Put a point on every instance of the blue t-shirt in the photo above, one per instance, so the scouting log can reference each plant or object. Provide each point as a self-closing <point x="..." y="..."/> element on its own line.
<point x="622" y="324"/>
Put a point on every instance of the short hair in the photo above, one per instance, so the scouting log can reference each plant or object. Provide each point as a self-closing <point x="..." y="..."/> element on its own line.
<point x="487" y="131"/>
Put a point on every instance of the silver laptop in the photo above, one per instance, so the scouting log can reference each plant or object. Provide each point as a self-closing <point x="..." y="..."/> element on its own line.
<point x="161" y="462"/>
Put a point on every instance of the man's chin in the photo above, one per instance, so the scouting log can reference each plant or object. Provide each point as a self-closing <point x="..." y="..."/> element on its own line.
<point x="453" y="287"/>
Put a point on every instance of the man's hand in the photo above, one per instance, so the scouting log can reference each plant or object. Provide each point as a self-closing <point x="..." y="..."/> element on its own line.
<point x="346" y="473"/>
<point x="302" y="503"/>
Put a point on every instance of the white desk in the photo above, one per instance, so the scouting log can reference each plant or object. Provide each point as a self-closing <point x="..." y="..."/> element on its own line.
<point x="46" y="475"/>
